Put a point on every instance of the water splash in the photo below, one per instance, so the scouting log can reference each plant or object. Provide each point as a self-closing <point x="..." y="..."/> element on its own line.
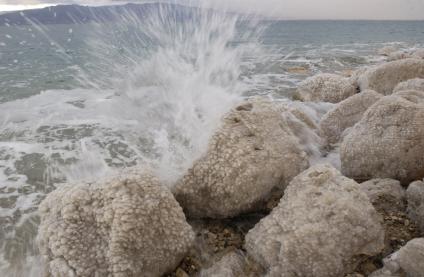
<point x="150" y="93"/>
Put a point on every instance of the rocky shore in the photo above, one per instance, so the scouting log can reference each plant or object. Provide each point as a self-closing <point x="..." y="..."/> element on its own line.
<point x="282" y="190"/>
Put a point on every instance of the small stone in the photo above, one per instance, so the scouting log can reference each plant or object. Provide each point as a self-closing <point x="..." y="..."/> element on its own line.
<point x="181" y="273"/>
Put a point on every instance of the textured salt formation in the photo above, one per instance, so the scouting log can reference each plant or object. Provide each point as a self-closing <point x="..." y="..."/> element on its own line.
<point x="385" y="77"/>
<point x="233" y="264"/>
<point x="346" y="114"/>
<point x="388" y="141"/>
<point x="325" y="88"/>
<point x="412" y="84"/>
<point x="399" y="55"/>
<point x="128" y="226"/>
<point x="408" y="261"/>
<point x="415" y="197"/>
<point x="418" y="54"/>
<point x="387" y="195"/>
<point x="323" y="222"/>
<point x="354" y="78"/>
<point x="254" y="151"/>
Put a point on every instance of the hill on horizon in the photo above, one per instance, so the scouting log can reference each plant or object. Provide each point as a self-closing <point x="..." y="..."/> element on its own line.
<point x="76" y="14"/>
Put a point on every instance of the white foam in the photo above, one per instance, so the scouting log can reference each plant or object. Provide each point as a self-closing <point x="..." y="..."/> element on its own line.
<point x="154" y="109"/>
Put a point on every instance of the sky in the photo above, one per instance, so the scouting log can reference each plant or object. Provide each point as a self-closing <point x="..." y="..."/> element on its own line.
<point x="286" y="9"/>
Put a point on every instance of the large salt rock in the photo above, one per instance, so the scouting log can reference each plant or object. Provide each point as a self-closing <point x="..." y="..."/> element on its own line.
<point x="412" y="84"/>
<point x="415" y="197"/>
<point x="325" y="88"/>
<point x="323" y="222"/>
<point x="346" y="114"/>
<point x="254" y="151"/>
<point x="127" y="226"/>
<point x="408" y="261"/>
<point x="386" y="195"/>
<point x="384" y="78"/>
<point x="388" y="142"/>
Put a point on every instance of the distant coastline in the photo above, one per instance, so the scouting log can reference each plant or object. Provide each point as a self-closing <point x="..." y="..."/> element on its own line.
<point x="76" y="14"/>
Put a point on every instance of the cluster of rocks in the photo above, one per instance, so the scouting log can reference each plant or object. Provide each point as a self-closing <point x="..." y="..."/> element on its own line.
<point x="394" y="53"/>
<point x="258" y="203"/>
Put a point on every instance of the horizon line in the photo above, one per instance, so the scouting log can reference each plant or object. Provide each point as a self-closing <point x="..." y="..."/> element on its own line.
<point x="43" y="6"/>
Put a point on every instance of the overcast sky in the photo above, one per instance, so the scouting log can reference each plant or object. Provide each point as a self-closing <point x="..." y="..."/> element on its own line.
<point x="290" y="9"/>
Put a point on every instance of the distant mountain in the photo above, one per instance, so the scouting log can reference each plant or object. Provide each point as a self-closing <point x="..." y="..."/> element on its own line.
<point x="75" y="14"/>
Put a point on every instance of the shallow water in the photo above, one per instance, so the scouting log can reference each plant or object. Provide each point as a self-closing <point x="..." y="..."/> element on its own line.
<point x="78" y="102"/>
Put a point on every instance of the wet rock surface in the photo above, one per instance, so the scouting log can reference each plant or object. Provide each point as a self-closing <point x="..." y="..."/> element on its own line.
<point x="346" y="114"/>
<point x="325" y="88"/>
<point x="254" y="151"/>
<point x="260" y="202"/>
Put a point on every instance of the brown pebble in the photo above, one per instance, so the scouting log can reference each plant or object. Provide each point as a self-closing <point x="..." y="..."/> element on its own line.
<point x="181" y="273"/>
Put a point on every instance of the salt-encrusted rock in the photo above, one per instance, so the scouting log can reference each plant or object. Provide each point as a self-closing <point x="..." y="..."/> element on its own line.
<point x="388" y="142"/>
<point x="408" y="261"/>
<point x="399" y="55"/>
<point x="418" y="54"/>
<point x="384" y="78"/>
<point x="415" y="197"/>
<point x="386" y="195"/>
<point x="387" y="50"/>
<point x="254" y="151"/>
<point x="346" y="114"/>
<point x="325" y="88"/>
<point x="321" y="224"/>
<point x="412" y="84"/>
<point x="233" y="264"/>
<point x="127" y="226"/>
<point x="354" y="78"/>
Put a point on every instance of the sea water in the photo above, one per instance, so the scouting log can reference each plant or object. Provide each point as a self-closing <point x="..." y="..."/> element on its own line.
<point x="81" y="101"/>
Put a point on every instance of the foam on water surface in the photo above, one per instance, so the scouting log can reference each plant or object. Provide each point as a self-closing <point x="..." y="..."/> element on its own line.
<point x="151" y="94"/>
<point x="79" y="105"/>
